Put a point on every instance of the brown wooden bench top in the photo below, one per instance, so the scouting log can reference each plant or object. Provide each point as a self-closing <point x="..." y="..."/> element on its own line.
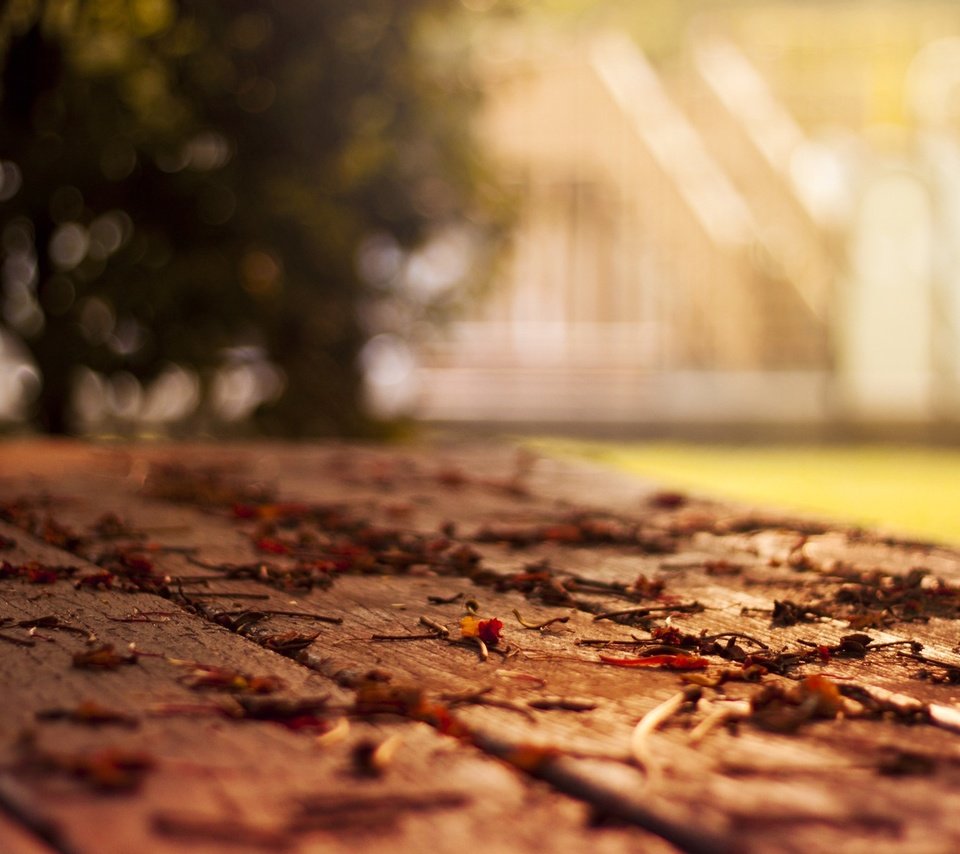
<point x="456" y="648"/>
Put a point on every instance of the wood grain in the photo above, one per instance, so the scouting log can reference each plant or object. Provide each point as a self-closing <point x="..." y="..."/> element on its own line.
<point x="540" y="754"/>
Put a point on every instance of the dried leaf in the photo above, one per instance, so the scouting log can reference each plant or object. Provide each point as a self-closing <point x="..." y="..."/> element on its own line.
<point x="89" y="712"/>
<point x="288" y="643"/>
<point x="225" y="679"/>
<point x="782" y="709"/>
<point x="111" y="769"/>
<point x="103" y="657"/>
<point x="375" y="697"/>
<point x="96" y="581"/>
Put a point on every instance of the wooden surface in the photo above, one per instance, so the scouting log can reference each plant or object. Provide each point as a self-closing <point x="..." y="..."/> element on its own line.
<point x="815" y="726"/>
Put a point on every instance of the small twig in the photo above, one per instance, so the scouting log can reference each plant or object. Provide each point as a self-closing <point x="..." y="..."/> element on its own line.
<point x="431" y="636"/>
<point x="445" y="600"/>
<point x="372" y="758"/>
<point x="232" y="594"/>
<point x="480" y="698"/>
<point x="484" y="652"/>
<point x="138" y="616"/>
<point x="439" y="628"/>
<point x="608" y="642"/>
<point x="15" y="640"/>
<point x="596" y="584"/>
<point x="725" y="711"/>
<point x="53" y="622"/>
<point x="527" y="624"/>
<point x="199" y="829"/>
<point x="569" y="778"/>
<point x="89" y="713"/>
<point x="652" y="648"/>
<point x="683" y="607"/>
<point x="192" y="709"/>
<point x="915" y="646"/>
<point x="735" y="636"/>
<point x="339" y="731"/>
<point x="535" y="681"/>
<point x="340" y="812"/>
<point x="456" y="698"/>
<point x="320" y="618"/>
<point x="650" y="722"/>
<point x="562" y="704"/>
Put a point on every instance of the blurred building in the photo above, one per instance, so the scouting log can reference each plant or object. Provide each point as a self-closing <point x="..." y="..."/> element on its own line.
<point x="761" y="229"/>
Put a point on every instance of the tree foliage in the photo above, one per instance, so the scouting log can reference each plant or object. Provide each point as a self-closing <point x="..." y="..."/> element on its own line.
<point x="187" y="186"/>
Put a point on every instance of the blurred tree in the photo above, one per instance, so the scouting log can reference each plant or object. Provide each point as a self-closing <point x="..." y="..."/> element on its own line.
<point x="181" y="181"/>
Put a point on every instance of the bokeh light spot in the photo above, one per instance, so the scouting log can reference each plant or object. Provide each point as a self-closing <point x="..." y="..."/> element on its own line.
<point x="69" y="245"/>
<point x="261" y="274"/>
<point x="10" y="180"/>
<point x="96" y="320"/>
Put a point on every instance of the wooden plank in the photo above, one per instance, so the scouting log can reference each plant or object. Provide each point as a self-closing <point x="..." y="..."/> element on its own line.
<point x="212" y="780"/>
<point x="850" y="781"/>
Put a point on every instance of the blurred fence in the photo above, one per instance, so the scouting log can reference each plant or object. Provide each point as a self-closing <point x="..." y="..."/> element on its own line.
<point x="688" y="251"/>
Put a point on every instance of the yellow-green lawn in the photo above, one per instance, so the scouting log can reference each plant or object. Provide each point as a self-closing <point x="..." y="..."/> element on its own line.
<point x="908" y="490"/>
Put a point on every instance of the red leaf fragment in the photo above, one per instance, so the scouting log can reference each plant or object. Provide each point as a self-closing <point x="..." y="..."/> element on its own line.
<point x="489" y="631"/>
<point x="562" y="533"/>
<point x="135" y="564"/>
<point x="307" y="723"/>
<point x="671" y="636"/>
<point x="667" y="499"/>
<point x="271" y="545"/>
<point x="39" y="574"/>
<point x="34" y="572"/>
<point x="284" y="512"/>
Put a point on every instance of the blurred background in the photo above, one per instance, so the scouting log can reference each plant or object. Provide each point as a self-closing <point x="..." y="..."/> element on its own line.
<point x="707" y="219"/>
<point x="731" y="213"/>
